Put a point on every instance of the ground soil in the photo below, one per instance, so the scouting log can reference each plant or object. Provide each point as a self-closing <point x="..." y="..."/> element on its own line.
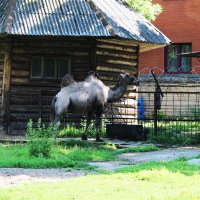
<point x="15" y="176"/>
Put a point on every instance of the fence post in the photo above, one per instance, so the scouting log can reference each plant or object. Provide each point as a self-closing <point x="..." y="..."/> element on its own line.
<point x="157" y="102"/>
<point x="155" y="113"/>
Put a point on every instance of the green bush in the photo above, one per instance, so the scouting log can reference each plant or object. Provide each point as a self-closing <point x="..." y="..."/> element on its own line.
<point x="40" y="139"/>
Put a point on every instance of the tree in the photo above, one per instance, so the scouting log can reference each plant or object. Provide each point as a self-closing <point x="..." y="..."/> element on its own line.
<point x="148" y="9"/>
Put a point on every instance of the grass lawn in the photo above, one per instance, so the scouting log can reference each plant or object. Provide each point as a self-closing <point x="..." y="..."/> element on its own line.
<point x="73" y="154"/>
<point x="61" y="157"/>
<point x="149" y="181"/>
<point x="153" y="180"/>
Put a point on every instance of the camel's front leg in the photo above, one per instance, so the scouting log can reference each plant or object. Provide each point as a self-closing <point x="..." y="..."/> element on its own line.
<point x="88" y="121"/>
<point x="97" y="124"/>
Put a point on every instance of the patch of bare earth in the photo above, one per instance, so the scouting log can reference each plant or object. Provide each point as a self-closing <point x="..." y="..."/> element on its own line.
<point x="15" y="176"/>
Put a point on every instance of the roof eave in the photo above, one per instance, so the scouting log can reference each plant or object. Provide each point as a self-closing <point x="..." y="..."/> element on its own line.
<point x="145" y="46"/>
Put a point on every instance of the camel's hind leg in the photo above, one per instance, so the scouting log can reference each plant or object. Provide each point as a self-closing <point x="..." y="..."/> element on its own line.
<point x="56" y="120"/>
<point x="88" y="121"/>
<point x="59" y="111"/>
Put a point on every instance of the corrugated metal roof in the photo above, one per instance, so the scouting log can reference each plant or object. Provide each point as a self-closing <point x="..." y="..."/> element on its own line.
<point x="3" y="9"/>
<point x="57" y="18"/>
<point x="81" y="18"/>
<point x="126" y="23"/>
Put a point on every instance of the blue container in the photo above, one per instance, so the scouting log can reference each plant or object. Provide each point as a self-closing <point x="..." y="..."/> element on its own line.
<point x="140" y="108"/>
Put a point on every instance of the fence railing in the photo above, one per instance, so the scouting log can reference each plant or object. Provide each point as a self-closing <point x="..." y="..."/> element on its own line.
<point x="178" y="117"/>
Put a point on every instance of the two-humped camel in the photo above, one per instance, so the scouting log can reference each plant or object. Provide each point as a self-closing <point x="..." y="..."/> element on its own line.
<point x="88" y="97"/>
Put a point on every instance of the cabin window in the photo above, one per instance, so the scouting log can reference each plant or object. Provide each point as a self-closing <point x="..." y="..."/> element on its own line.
<point x="50" y="68"/>
<point x="53" y="68"/>
<point x="63" y="67"/>
<point x="174" y="62"/>
<point x="36" y="68"/>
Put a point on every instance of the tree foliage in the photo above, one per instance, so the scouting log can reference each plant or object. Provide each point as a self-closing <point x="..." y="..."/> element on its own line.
<point x="148" y="9"/>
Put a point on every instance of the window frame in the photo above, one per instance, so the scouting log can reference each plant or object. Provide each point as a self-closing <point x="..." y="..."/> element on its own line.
<point x="56" y="58"/>
<point x="179" y="59"/>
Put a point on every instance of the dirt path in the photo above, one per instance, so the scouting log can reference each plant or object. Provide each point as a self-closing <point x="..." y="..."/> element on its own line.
<point x="162" y="155"/>
<point x="135" y="158"/>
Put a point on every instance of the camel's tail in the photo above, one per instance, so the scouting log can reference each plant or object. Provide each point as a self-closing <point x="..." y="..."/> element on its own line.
<point x="52" y="113"/>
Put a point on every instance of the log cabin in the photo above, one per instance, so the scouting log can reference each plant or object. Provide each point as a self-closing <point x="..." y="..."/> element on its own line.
<point x="42" y="40"/>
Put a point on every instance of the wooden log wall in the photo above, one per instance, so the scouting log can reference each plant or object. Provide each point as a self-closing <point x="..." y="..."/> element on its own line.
<point x="32" y="98"/>
<point x="112" y="58"/>
<point x="80" y="52"/>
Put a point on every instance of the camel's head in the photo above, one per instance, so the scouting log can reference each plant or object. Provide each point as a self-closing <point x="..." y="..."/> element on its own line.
<point x="127" y="79"/>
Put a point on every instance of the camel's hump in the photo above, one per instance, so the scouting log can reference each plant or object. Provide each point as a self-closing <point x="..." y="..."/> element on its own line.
<point x="67" y="80"/>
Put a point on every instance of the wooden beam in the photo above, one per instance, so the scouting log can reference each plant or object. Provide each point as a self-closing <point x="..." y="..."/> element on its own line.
<point x="118" y="42"/>
<point x="116" y="48"/>
<point x="6" y="83"/>
<point x="7" y="67"/>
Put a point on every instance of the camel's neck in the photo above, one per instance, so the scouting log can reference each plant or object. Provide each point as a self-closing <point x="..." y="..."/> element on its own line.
<point x="116" y="93"/>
